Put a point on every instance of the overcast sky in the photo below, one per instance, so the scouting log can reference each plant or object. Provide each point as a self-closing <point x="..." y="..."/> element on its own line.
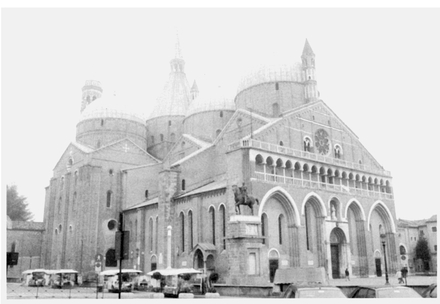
<point x="377" y="69"/>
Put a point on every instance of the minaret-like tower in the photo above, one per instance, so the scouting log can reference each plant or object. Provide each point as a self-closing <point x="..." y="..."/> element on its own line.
<point x="194" y="91"/>
<point x="90" y="91"/>
<point x="308" y="66"/>
<point x="165" y="122"/>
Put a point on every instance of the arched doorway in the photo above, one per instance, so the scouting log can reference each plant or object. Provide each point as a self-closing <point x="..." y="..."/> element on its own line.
<point x="198" y="260"/>
<point x="273" y="264"/>
<point x="338" y="252"/>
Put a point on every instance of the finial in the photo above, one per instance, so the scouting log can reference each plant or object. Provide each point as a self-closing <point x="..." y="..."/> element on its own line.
<point x="178" y="50"/>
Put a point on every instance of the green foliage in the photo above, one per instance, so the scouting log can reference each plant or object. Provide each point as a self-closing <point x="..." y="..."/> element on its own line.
<point x="157" y="275"/>
<point x="213" y="277"/>
<point x="422" y="250"/>
<point x="186" y="276"/>
<point x="17" y="207"/>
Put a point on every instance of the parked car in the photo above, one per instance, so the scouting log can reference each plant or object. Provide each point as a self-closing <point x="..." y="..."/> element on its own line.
<point x="430" y="292"/>
<point x="312" y="291"/>
<point x="383" y="291"/>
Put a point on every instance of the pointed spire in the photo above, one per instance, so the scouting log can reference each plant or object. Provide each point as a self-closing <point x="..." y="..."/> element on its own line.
<point x="194" y="87"/>
<point x="307" y="51"/>
<point x="177" y="63"/>
<point x="194" y="91"/>
<point x="178" y="53"/>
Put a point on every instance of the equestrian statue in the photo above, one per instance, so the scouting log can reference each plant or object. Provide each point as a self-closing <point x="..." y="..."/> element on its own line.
<point x="242" y="198"/>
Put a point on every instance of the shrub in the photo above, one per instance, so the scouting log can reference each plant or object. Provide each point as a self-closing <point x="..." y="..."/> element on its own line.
<point x="213" y="277"/>
<point x="186" y="276"/>
<point x="157" y="275"/>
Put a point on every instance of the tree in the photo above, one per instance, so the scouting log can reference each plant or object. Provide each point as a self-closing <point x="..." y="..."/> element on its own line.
<point x="422" y="251"/>
<point x="17" y="207"/>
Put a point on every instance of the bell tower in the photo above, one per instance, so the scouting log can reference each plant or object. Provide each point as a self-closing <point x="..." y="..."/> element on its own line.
<point x="308" y="67"/>
<point x="90" y="91"/>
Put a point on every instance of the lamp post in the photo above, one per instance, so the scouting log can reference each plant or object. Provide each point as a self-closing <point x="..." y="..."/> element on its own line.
<point x="385" y="259"/>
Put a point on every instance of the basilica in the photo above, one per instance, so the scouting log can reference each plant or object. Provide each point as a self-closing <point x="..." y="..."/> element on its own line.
<point x="321" y="200"/>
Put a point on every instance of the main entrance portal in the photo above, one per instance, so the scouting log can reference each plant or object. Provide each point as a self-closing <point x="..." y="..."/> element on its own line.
<point x="335" y="261"/>
<point x="338" y="246"/>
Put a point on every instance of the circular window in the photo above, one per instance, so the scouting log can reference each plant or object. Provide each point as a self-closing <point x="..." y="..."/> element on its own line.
<point x="111" y="225"/>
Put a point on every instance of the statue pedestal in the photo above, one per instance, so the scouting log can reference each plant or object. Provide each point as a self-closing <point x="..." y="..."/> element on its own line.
<point x="244" y="247"/>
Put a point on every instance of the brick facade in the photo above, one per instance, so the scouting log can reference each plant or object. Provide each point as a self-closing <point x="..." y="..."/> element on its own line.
<point x="324" y="201"/>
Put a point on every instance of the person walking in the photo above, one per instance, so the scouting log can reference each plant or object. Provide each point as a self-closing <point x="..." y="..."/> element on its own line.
<point x="347" y="274"/>
<point x="399" y="277"/>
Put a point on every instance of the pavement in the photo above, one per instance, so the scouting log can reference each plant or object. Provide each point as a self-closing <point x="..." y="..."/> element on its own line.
<point x="392" y="279"/>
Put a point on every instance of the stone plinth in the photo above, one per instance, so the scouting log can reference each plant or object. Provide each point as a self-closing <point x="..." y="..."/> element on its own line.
<point x="186" y="295"/>
<point x="245" y="257"/>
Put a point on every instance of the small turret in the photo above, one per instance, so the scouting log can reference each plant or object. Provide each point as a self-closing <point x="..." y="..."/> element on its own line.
<point x="177" y="64"/>
<point x="90" y="91"/>
<point x="194" y="91"/>
<point x="308" y="66"/>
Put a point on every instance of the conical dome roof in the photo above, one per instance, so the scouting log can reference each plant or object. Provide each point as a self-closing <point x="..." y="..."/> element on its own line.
<point x="175" y="97"/>
<point x="111" y="106"/>
<point x="210" y="102"/>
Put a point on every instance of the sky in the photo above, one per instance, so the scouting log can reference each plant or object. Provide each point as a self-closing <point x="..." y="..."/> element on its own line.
<point x="377" y="69"/>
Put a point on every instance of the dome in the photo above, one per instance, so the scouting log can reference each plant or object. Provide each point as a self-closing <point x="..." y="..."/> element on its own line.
<point x="265" y="74"/>
<point x="205" y="103"/>
<point x="111" y="107"/>
<point x="174" y="98"/>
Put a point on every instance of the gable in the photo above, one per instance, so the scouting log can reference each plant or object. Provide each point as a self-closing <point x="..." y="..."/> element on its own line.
<point x="314" y="121"/>
<point x="73" y="156"/>
<point x="186" y="145"/>
<point x="124" y="151"/>
<point x="241" y="124"/>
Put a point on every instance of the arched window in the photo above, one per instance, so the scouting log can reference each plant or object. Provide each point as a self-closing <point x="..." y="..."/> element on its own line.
<point x="280" y="228"/>
<point x="277" y="86"/>
<point x="60" y="228"/>
<point x="212" y="220"/>
<point x="221" y="113"/>
<point x="183" y="184"/>
<point x="76" y="178"/>
<point x="264" y="226"/>
<point x="59" y="205"/>
<point x="190" y="223"/>
<point x="153" y="263"/>
<point x="150" y="235"/>
<point x="281" y="143"/>
<point x="223" y="219"/>
<point x="146" y="194"/>
<point x="169" y="123"/>
<point x="110" y="258"/>
<point x="402" y="249"/>
<point x="182" y="230"/>
<point x="109" y="198"/>
<point x="338" y="151"/>
<point x="157" y="232"/>
<point x="74" y="201"/>
<point x="102" y="122"/>
<point x="307" y="144"/>
<point x="275" y="110"/>
<point x="135" y="230"/>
